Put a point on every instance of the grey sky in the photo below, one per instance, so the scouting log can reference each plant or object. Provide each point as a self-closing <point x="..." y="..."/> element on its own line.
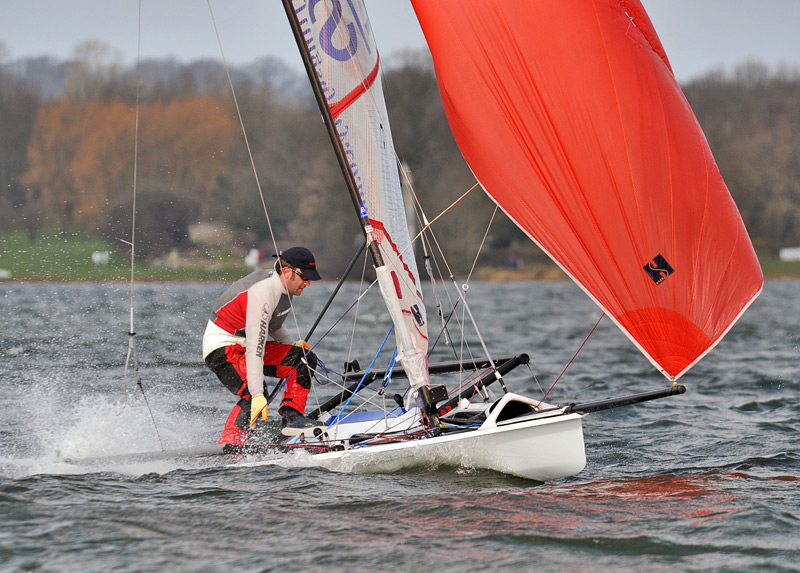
<point x="698" y="35"/>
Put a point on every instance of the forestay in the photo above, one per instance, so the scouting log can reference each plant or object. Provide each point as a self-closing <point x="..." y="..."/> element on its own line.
<point x="345" y="59"/>
<point x="570" y="117"/>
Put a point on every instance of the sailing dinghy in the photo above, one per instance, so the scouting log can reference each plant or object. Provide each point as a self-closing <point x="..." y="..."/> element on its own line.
<point x="572" y="122"/>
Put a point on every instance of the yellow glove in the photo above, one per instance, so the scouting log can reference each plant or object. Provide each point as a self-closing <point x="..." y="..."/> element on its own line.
<point x="302" y="344"/>
<point x="258" y="405"/>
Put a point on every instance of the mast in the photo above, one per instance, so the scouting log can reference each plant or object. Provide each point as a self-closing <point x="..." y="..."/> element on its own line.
<point x="327" y="116"/>
<point x="343" y="65"/>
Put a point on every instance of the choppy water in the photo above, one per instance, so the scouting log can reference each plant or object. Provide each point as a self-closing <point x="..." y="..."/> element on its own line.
<point x="706" y="481"/>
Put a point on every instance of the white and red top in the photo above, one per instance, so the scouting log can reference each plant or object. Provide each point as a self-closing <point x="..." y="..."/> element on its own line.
<point x="248" y="313"/>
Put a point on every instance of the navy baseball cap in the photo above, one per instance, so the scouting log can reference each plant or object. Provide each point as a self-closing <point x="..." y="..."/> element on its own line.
<point x="301" y="259"/>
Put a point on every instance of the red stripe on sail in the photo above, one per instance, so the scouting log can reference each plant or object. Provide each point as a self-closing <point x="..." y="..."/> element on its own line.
<point x="361" y="89"/>
<point x="378" y="226"/>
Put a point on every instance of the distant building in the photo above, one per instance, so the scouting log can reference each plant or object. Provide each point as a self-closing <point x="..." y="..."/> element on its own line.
<point x="789" y="254"/>
<point x="253" y="258"/>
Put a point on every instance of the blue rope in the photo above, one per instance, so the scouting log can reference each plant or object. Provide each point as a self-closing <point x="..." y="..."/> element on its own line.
<point x="374" y="358"/>
<point x="390" y="369"/>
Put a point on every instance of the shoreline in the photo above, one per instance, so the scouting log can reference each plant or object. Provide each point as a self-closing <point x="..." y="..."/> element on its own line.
<point x="71" y="258"/>
<point x="484" y="275"/>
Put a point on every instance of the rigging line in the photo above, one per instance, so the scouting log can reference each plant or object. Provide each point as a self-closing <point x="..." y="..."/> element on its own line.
<point x="585" y="340"/>
<point x="241" y="124"/>
<point x="466" y="306"/>
<point x="533" y="373"/>
<point x="466" y="346"/>
<point x="131" y="332"/>
<point x="445" y="332"/>
<point x="483" y="242"/>
<point x="468" y="311"/>
<point x="141" y="388"/>
<point x="249" y="151"/>
<point x="407" y="188"/>
<point x="333" y="294"/>
<point x="459" y="321"/>
<point x="469" y="275"/>
<point x="427" y="226"/>
<point x="342" y="409"/>
<point x="355" y="316"/>
<point x="445" y="321"/>
<point x="452" y="304"/>
<point x="472" y="269"/>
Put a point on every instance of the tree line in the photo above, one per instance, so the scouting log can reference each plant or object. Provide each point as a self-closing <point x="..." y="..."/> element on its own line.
<point x="70" y="155"/>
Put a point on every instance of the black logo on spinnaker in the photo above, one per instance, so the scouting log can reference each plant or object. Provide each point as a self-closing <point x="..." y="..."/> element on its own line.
<point x="658" y="269"/>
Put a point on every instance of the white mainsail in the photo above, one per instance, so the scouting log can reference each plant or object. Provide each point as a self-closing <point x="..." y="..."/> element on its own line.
<point x="342" y="51"/>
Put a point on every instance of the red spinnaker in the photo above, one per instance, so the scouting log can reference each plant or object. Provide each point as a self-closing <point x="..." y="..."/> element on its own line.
<point x="570" y="117"/>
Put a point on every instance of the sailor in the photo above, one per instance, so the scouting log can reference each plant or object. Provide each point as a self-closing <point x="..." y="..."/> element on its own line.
<point x="245" y="341"/>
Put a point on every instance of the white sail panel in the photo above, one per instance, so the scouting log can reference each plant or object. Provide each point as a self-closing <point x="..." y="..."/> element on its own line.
<point x="346" y="60"/>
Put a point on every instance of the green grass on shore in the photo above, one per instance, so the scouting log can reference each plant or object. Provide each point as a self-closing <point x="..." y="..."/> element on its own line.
<point x="68" y="257"/>
<point x="775" y="268"/>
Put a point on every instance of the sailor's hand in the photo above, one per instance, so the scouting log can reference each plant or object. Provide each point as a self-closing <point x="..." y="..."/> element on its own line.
<point x="258" y="405"/>
<point x="302" y="344"/>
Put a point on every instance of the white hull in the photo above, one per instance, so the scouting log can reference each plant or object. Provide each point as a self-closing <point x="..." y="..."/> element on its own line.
<point x="541" y="446"/>
<point x="541" y="450"/>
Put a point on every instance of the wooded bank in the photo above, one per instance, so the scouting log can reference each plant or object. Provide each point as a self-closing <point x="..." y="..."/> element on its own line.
<point x="67" y="158"/>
